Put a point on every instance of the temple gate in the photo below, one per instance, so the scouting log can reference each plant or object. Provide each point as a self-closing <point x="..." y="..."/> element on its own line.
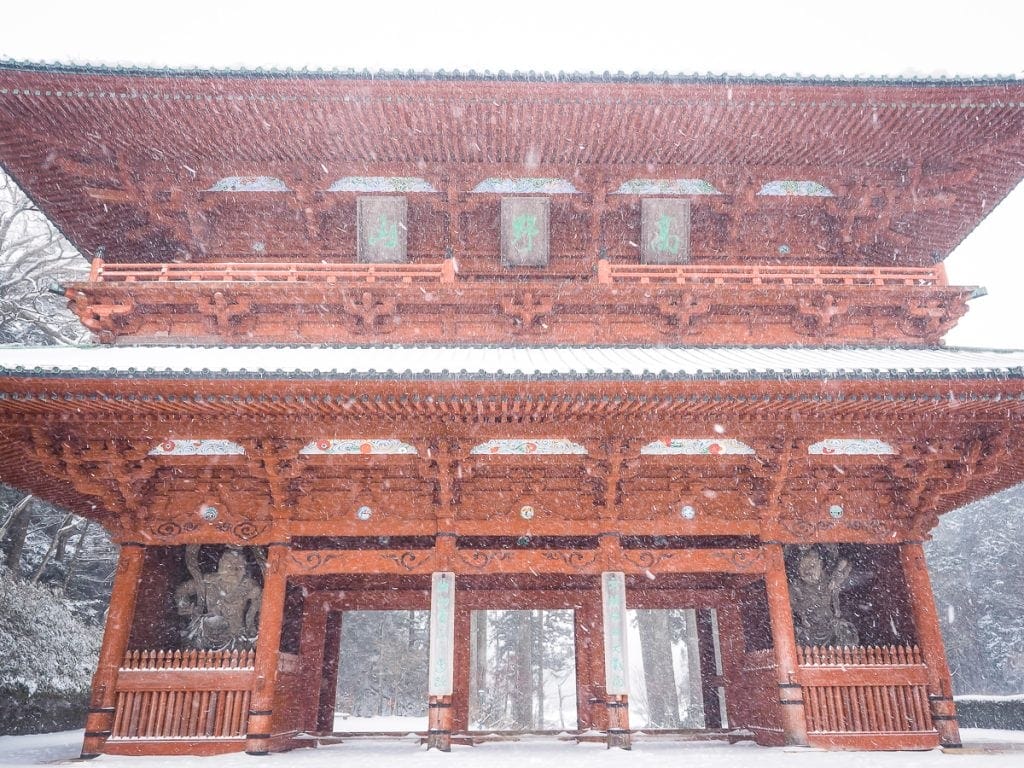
<point x="575" y="345"/>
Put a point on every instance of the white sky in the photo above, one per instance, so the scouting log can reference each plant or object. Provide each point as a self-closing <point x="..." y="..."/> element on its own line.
<point x="856" y="37"/>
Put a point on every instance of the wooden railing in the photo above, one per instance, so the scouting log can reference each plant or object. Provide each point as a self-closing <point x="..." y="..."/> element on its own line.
<point x="444" y="272"/>
<point x="183" y="695"/>
<point x="865" y="690"/>
<point x="742" y="274"/>
<point x="871" y="655"/>
<point x="273" y="272"/>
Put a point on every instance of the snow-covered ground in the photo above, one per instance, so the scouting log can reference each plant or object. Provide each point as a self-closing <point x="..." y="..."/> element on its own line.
<point x="982" y="749"/>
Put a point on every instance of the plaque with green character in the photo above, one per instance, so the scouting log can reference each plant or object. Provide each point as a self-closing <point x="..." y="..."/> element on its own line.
<point x="664" y="231"/>
<point x="381" y="229"/>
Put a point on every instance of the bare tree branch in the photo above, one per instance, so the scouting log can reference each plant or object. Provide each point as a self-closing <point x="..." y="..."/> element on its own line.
<point x="34" y="257"/>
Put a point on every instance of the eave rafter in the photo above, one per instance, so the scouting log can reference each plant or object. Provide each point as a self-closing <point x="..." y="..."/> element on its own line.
<point x="951" y="441"/>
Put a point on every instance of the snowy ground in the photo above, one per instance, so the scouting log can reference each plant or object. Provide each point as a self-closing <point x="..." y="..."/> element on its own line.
<point x="983" y="749"/>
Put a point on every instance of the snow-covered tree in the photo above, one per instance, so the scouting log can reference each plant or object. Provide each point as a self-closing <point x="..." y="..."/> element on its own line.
<point x="34" y="259"/>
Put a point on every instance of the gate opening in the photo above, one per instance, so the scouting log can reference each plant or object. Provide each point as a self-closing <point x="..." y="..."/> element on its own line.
<point x="522" y="670"/>
<point x="382" y="672"/>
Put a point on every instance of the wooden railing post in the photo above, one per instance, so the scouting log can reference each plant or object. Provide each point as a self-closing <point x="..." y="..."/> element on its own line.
<point x="96" y="272"/>
<point x="929" y="638"/>
<point x="780" y="613"/>
<point x="100" y="719"/>
<point x="268" y="646"/>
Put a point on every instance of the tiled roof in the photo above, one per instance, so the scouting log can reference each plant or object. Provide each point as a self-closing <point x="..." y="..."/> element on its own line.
<point x="517" y="75"/>
<point x="508" y="363"/>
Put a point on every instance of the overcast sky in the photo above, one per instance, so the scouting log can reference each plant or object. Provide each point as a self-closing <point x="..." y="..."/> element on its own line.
<point x="863" y="37"/>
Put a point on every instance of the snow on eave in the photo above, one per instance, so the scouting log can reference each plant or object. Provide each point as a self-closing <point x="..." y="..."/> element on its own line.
<point x="318" y="73"/>
<point x="377" y="363"/>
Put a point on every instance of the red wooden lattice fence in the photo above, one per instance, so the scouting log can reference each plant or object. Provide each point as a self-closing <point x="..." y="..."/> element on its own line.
<point x="183" y="695"/>
<point x="865" y="690"/>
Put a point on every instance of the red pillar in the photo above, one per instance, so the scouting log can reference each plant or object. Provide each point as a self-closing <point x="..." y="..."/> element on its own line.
<point x="100" y="720"/>
<point x="929" y="638"/>
<point x="329" y="678"/>
<point x="780" y="613"/>
<point x="268" y="645"/>
<point x="709" y="678"/>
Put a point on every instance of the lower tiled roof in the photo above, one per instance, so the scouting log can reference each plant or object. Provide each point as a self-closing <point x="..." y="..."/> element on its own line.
<point x="509" y="363"/>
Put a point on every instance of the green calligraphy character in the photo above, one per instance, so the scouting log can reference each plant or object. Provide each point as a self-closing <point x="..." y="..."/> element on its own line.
<point x="664" y="241"/>
<point x="524" y="230"/>
<point x="386" y="235"/>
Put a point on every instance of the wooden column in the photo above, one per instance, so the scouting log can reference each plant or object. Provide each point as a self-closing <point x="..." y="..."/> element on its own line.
<point x="590" y="696"/>
<point x="616" y="658"/>
<point x="780" y="613"/>
<point x="441" y="671"/>
<point x="929" y="638"/>
<point x="709" y="677"/>
<point x="268" y="647"/>
<point x="100" y="719"/>
<point x="463" y="673"/>
<point x="329" y="676"/>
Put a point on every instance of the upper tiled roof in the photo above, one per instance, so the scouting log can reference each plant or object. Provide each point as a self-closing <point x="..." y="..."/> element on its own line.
<point x="514" y="363"/>
<point x="121" y="159"/>
<point x="516" y="75"/>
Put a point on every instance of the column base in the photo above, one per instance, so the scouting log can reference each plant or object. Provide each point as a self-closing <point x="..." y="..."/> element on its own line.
<point x="620" y="739"/>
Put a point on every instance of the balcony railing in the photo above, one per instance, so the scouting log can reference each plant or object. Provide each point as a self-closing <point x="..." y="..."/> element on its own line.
<point x="273" y="272"/>
<point x="728" y="274"/>
<point x="445" y="272"/>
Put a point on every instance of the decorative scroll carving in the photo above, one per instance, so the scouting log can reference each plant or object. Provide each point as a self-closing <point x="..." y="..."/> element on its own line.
<point x="646" y="559"/>
<point x="741" y="559"/>
<point x="571" y="558"/>
<point x="220" y="608"/>
<point x="479" y="559"/>
<point x="804" y="529"/>
<point x="410" y="561"/>
<point x="814" y="591"/>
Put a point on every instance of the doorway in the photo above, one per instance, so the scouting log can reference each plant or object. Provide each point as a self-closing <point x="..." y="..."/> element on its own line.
<point x="382" y="672"/>
<point x="523" y="670"/>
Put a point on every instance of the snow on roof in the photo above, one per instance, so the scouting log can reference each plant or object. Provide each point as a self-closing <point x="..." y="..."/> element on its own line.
<point x="544" y="363"/>
<point x="927" y="78"/>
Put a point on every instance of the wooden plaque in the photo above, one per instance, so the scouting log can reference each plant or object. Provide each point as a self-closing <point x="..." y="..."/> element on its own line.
<point x="664" y="231"/>
<point x="525" y="238"/>
<point x="442" y="634"/>
<point x="616" y="657"/>
<point x="381" y="229"/>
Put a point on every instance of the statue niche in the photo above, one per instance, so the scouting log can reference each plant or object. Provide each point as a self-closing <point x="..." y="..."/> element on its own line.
<point x="220" y="607"/>
<point x="814" y="591"/>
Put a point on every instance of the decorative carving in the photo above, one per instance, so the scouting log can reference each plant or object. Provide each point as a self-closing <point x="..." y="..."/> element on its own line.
<point x="410" y="561"/>
<point x="571" y="558"/>
<point x="821" y="315"/>
<point x="741" y="559"/>
<point x="814" y="592"/>
<point x="646" y="559"/>
<point x="480" y="558"/>
<point x="528" y="311"/>
<point x="683" y="313"/>
<point x="220" y="607"/>
<point x="367" y="312"/>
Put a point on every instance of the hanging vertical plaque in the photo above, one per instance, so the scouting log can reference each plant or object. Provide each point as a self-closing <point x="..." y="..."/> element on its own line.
<point x="616" y="658"/>
<point x="664" y="230"/>
<point x="442" y="634"/>
<point x="381" y="229"/>
<point x="524" y="232"/>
